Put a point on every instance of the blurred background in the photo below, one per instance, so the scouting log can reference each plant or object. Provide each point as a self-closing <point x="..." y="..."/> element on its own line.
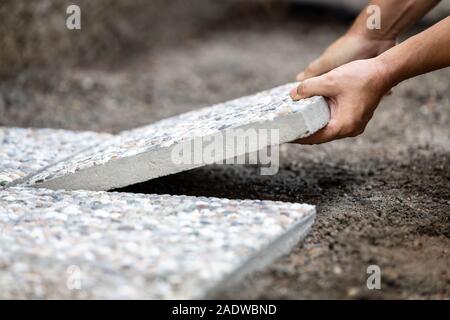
<point x="383" y="198"/>
<point x="33" y="33"/>
<point x="153" y="56"/>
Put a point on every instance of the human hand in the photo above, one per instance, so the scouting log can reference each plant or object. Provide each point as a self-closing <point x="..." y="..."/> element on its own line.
<point x="352" y="46"/>
<point x="353" y="92"/>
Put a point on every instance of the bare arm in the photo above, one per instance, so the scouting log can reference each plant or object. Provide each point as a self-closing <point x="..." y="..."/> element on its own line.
<point x="361" y="42"/>
<point x="396" y="17"/>
<point x="425" y="52"/>
<point x="354" y="90"/>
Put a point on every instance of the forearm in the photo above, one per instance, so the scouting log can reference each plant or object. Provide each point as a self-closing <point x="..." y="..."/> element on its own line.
<point x="422" y="53"/>
<point x="396" y="17"/>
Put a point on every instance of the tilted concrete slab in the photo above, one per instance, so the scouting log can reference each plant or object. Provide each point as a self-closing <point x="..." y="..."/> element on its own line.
<point x="145" y="153"/>
<point x="25" y="151"/>
<point x="86" y="244"/>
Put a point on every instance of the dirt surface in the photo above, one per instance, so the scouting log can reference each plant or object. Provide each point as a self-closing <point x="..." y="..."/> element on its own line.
<point x="382" y="198"/>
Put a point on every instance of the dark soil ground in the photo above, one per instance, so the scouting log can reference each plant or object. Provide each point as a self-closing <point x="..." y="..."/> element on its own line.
<point x="382" y="198"/>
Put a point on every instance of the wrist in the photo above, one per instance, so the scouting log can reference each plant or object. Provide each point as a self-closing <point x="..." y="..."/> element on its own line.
<point x="368" y="47"/>
<point x="375" y="34"/>
<point x="383" y="74"/>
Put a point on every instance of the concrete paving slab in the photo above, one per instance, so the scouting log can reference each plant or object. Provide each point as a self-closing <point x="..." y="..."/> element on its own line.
<point x="24" y="151"/>
<point x="145" y="153"/>
<point x="86" y="244"/>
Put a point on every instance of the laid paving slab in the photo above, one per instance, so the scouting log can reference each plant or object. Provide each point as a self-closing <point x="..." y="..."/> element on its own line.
<point x="145" y="153"/>
<point x="24" y="151"/>
<point x="86" y="244"/>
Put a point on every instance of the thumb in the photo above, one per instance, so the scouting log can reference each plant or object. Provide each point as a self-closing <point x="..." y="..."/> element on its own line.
<point x="318" y="86"/>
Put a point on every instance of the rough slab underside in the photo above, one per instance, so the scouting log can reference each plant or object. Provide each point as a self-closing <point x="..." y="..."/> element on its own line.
<point x="25" y="151"/>
<point x="145" y="153"/>
<point x="121" y="245"/>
